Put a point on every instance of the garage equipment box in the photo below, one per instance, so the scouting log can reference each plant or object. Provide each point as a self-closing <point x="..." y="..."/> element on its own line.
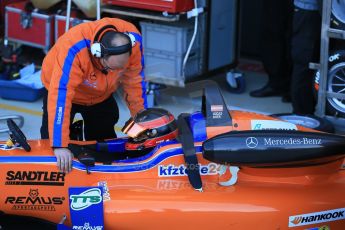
<point x="165" y="45"/>
<point x="15" y="91"/>
<point x="171" y="6"/>
<point x="3" y="4"/>
<point x="28" y="28"/>
<point x="60" y="24"/>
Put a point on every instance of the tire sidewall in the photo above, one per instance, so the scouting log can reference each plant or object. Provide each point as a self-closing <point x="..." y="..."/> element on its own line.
<point x="335" y="22"/>
<point x="335" y="58"/>
<point x="324" y="125"/>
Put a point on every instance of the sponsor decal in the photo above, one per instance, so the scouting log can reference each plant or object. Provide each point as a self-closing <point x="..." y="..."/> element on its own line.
<point x="35" y="178"/>
<point x="86" y="199"/>
<point x="34" y="202"/>
<point x="217" y="111"/>
<point x="216" y="108"/>
<point x="59" y="116"/>
<point x="104" y="186"/>
<point x="172" y="184"/>
<point x="87" y="226"/>
<point x="86" y="207"/>
<point x="253" y="142"/>
<point x="334" y="57"/>
<point x="272" y="125"/>
<point x="317" y="77"/>
<point x="90" y="84"/>
<point x="292" y="141"/>
<point x="317" y="217"/>
<point x="180" y="170"/>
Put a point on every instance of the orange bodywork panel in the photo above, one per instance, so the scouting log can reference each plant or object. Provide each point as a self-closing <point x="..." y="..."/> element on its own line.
<point x="150" y="196"/>
<point x="154" y="192"/>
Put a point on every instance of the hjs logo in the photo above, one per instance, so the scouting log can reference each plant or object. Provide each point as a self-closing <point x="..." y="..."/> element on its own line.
<point x="86" y="199"/>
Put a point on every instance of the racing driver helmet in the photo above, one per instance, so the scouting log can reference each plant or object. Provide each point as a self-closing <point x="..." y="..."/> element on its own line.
<point x="149" y="128"/>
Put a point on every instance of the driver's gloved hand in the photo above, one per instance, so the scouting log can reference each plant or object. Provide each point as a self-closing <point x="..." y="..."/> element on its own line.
<point x="64" y="159"/>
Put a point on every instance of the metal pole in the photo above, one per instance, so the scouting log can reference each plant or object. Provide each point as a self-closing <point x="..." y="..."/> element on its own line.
<point x="68" y="14"/>
<point x="324" y="53"/>
<point x="98" y="9"/>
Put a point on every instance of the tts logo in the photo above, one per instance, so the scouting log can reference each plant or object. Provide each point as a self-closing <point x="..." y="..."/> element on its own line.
<point x="86" y="199"/>
<point x="252" y="142"/>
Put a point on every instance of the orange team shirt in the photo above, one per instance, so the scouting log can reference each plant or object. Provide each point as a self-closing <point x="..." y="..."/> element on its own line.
<point x="70" y="76"/>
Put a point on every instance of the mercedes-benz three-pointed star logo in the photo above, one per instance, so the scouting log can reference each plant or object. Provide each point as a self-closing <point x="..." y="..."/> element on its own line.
<point x="252" y="142"/>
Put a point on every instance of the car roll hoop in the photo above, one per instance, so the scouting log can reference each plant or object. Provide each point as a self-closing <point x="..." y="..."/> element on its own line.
<point x="186" y="138"/>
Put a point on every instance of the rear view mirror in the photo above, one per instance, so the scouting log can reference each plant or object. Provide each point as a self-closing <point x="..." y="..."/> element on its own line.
<point x="87" y="160"/>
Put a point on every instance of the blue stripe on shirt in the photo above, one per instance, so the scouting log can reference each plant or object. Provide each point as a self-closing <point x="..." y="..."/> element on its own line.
<point x="62" y="91"/>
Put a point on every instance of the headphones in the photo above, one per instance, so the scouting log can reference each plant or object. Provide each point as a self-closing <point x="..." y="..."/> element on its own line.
<point x="98" y="50"/>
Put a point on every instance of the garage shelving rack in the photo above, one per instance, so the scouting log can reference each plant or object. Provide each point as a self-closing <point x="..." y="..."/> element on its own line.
<point x="326" y="33"/>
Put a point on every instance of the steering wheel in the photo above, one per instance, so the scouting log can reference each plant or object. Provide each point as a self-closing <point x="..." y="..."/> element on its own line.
<point x="17" y="136"/>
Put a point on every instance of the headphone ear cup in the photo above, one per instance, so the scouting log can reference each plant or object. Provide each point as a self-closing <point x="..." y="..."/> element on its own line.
<point x="131" y="37"/>
<point x="96" y="50"/>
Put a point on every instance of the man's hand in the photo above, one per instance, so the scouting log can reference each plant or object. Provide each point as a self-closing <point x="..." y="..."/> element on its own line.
<point x="64" y="159"/>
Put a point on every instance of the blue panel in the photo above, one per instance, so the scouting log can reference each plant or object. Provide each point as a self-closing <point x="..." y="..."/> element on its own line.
<point x="114" y="146"/>
<point x="138" y="167"/>
<point x="63" y="227"/>
<point x="86" y="207"/>
<point x="197" y="124"/>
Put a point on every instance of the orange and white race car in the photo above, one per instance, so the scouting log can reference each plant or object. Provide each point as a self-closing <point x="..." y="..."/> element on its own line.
<point x="213" y="169"/>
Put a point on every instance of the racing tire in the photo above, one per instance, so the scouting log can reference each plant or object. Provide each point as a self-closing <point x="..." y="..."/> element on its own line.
<point x="309" y="121"/>
<point x="335" y="83"/>
<point x="338" y="15"/>
<point x="18" y="135"/>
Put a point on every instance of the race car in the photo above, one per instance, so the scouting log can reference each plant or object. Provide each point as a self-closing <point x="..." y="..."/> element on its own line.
<point x="212" y="169"/>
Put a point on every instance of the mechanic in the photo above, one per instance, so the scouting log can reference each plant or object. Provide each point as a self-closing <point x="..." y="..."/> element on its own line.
<point x="275" y="48"/>
<point x="305" y="48"/>
<point x="81" y="72"/>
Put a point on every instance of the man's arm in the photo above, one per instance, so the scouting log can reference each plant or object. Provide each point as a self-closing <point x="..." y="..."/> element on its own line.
<point x="66" y="76"/>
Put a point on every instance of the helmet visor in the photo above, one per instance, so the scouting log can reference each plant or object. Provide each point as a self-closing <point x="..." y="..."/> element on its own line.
<point x="133" y="129"/>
